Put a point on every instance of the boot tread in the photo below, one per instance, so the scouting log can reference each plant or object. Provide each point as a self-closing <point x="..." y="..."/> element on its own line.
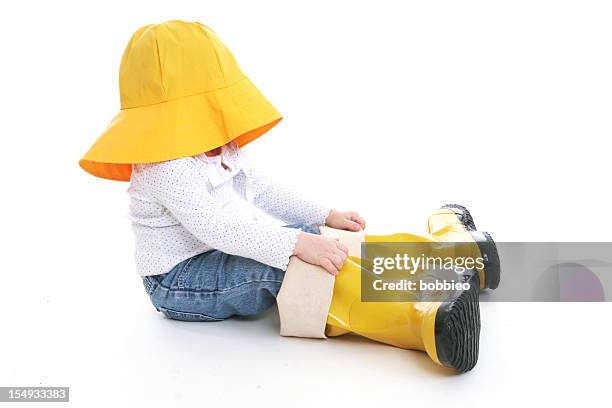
<point x="457" y="329"/>
<point x="463" y="214"/>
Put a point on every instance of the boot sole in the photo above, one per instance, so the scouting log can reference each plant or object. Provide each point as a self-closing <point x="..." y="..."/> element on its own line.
<point x="488" y="250"/>
<point x="463" y="214"/>
<point x="486" y="245"/>
<point x="457" y="329"/>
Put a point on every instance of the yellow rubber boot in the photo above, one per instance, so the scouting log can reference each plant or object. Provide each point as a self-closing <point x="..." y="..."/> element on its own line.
<point x="454" y="223"/>
<point x="448" y="332"/>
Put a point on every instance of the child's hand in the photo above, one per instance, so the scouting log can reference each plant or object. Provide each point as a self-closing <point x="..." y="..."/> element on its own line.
<point x="345" y="220"/>
<point x="326" y="252"/>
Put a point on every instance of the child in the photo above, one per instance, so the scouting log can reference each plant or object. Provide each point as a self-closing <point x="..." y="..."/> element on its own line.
<point x="212" y="259"/>
<point x="187" y="110"/>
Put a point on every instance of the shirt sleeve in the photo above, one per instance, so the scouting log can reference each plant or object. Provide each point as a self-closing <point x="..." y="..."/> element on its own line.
<point x="280" y="201"/>
<point x="179" y="186"/>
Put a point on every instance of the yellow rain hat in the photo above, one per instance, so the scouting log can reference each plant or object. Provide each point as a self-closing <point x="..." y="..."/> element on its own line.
<point x="182" y="94"/>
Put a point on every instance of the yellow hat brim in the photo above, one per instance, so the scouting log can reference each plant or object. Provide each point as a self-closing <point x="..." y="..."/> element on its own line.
<point x="179" y="128"/>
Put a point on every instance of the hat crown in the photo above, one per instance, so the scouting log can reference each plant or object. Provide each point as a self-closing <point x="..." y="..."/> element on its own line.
<point x="182" y="94"/>
<point x="173" y="60"/>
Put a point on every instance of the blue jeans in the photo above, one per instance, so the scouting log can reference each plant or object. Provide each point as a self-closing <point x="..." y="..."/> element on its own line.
<point x="213" y="286"/>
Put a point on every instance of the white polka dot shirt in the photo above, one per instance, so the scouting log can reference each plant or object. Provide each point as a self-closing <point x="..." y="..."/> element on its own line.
<point x="184" y="207"/>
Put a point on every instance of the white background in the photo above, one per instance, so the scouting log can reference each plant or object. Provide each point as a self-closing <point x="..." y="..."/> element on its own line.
<point x="392" y="109"/>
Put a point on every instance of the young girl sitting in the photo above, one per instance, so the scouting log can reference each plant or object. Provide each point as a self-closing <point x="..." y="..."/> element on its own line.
<point x="187" y="110"/>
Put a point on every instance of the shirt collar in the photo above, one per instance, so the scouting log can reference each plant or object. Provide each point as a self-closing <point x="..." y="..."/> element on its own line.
<point x="230" y="156"/>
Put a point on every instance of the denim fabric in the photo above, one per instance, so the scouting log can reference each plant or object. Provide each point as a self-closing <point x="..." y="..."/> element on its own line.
<point x="213" y="286"/>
